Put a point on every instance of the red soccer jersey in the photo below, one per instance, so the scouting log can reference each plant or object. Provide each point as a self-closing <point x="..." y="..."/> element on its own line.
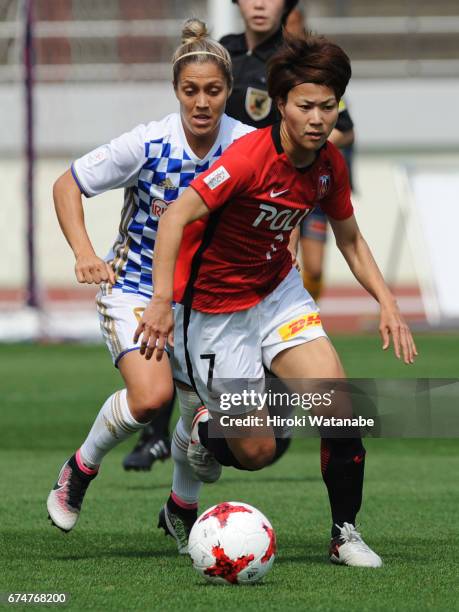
<point x="238" y="254"/>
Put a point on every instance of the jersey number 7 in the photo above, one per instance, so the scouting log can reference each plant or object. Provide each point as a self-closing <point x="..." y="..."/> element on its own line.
<point x="210" y="375"/>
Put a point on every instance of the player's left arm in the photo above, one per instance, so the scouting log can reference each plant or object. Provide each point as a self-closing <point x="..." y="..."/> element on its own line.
<point x="360" y="260"/>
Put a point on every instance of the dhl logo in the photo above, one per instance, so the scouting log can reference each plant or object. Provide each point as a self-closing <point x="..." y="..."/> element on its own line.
<point x="294" y="327"/>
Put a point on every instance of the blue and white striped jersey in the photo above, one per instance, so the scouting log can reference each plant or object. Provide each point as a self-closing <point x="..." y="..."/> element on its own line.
<point x="154" y="164"/>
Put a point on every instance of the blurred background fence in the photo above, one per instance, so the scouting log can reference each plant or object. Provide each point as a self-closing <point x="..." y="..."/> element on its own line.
<point x="102" y="66"/>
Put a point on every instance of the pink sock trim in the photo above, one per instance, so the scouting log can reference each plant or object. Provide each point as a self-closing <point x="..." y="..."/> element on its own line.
<point x="183" y="504"/>
<point x="84" y="468"/>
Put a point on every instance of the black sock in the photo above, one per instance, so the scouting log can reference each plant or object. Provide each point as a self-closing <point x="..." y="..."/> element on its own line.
<point x="282" y="445"/>
<point x="342" y="464"/>
<point x="184" y="512"/>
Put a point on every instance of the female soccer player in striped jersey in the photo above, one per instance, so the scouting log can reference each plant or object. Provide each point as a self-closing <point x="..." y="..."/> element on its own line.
<point x="154" y="164"/>
<point x="241" y="305"/>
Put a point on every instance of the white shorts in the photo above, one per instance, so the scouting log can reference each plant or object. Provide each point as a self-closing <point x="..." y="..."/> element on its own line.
<point x="234" y="346"/>
<point x="119" y="316"/>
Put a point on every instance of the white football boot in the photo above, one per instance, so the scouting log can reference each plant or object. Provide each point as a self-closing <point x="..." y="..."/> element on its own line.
<point x="65" y="499"/>
<point x="203" y="463"/>
<point x="349" y="549"/>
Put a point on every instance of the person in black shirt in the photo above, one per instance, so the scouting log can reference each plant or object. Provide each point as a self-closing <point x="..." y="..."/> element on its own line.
<point x="250" y="52"/>
<point x="250" y="103"/>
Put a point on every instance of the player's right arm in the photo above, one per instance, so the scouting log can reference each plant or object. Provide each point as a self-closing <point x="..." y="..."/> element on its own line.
<point x="157" y="322"/>
<point x="110" y="166"/>
<point x="89" y="268"/>
<point x="231" y="175"/>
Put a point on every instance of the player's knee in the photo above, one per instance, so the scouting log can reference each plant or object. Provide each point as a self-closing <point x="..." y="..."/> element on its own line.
<point x="257" y="455"/>
<point x="313" y="272"/>
<point x="144" y="404"/>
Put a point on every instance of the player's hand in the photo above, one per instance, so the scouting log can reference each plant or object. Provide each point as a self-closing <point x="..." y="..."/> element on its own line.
<point x="91" y="269"/>
<point x="393" y="324"/>
<point x="156" y="328"/>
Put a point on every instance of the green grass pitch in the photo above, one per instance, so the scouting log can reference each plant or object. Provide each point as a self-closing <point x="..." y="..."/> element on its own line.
<point x="116" y="559"/>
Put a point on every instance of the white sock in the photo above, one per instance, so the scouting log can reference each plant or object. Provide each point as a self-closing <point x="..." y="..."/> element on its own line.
<point x="113" y="424"/>
<point x="185" y="486"/>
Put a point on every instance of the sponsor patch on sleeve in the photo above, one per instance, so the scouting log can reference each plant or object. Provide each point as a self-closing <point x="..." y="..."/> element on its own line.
<point x="298" y="324"/>
<point x="217" y="177"/>
<point x="97" y="156"/>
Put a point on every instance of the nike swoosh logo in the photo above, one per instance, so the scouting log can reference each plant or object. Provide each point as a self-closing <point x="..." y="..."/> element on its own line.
<point x="276" y="194"/>
<point x="63" y="477"/>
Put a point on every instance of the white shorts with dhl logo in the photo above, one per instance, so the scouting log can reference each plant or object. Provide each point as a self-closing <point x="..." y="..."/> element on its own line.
<point x="239" y="345"/>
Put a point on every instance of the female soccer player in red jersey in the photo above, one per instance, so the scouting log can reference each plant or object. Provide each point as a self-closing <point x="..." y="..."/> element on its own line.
<point x="242" y="306"/>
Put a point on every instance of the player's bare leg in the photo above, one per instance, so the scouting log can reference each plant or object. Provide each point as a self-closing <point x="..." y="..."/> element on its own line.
<point x="148" y="386"/>
<point x="312" y="258"/>
<point x="342" y="459"/>
<point x="255" y="451"/>
<point x="250" y="448"/>
<point x="314" y="359"/>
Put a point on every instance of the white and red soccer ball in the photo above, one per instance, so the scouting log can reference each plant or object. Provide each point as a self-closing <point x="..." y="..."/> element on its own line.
<point x="232" y="543"/>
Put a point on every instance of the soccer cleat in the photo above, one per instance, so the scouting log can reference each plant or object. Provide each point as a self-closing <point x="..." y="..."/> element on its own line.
<point x="177" y="526"/>
<point x="203" y="463"/>
<point x="65" y="499"/>
<point x="349" y="549"/>
<point x="150" y="448"/>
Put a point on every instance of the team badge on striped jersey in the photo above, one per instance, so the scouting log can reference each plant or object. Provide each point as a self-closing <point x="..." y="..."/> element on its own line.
<point x="158" y="207"/>
<point x="167" y="184"/>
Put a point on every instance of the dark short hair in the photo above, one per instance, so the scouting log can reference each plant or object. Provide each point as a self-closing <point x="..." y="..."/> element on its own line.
<point x="312" y="59"/>
<point x="289" y="6"/>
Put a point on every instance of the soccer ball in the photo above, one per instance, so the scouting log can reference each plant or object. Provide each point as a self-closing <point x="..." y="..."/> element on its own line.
<point x="232" y="543"/>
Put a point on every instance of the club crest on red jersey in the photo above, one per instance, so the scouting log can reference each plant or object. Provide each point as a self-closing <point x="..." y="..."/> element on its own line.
<point x="323" y="186"/>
